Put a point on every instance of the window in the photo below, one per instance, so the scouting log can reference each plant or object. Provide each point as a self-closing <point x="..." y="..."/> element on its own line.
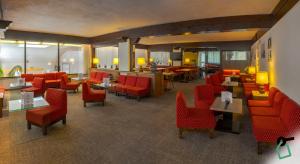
<point x="41" y="57"/>
<point x="213" y="57"/>
<point x="201" y="59"/>
<point x="72" y="59"/>
<point x="161" y="58"/>
<point x="140" y="53"/>
<point x="106" y="56"/>
<point x="11" y="58"/>
<point x="235" y="55"/>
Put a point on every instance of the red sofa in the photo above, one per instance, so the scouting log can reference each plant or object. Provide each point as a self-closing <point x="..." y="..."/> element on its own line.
<point x="38" y="87"/>
<point x="46" y="116"/>
<point x="280" y="119"/>
<point x="91" y="95"/>
<point x="193" y="118"/>
<point x="133" y="86"/>
<point x="229" y="72"/>
<point x="67" y="85"/>
<point x="97" y="76"/>
<point x="52" y="80"/>
<point x="204" y="96"/>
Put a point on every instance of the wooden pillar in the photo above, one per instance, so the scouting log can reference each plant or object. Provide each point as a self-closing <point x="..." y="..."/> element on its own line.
<point x="93" y="50"/>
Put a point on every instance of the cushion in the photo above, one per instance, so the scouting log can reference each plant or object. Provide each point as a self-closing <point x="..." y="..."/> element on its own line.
<point x="263" y="111"/>
<point x="268" y="129"/>
<point x="259" y="103"/>
<point x="59" y="75"/>
<point x="39" y="116"/>
<point x="290" y="115"/>
<point x="39" y="75"/>
<point x="50" y="76"/>
<point x="130" y="81"/>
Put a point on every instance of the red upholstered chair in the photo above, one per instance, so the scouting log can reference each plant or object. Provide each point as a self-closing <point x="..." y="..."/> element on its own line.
<point x="264" y="103"/>
<point x="27" y="77"/>
<point x="274" y="110"/>
<point x="46" y="116"/>
<point x="193" y="118"/>
<point x="119" y="83"/>
<point x="269" y="129"/>
<point x="141" y="89"/>
<point x="38" y="87"/>
<point x="51" y="81"/>
<point x="130" y="82"/>
<point x="65" y="84"/>
<point x="91" y="95"/>
<point x="204" y="96"/>
<point x="217" y="88"/>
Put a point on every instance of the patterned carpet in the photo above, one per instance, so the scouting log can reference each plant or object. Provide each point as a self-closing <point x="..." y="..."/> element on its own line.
<point x="123" y="131"/>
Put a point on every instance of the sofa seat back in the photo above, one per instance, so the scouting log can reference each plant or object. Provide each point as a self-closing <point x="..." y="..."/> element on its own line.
<point x="27" y="77"/>
<point x="59" y="75"/>
<point x="50" y="76"/>
<point x="228" y="72"/>
<point x="122" y="79"/>
<point x="290" y="115"/>
<point x="272" y="94"/>
<point x="93" y="74"/>
<point x="130" y="81"/>
<point x="278" y="101"/>
<point x="143" y="82"/>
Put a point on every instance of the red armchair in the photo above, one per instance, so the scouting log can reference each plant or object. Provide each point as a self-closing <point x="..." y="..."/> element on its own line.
<point x="120" y="82"/>
<point x="217" y="88"/>
<point x="46" y="116"/>
<point x="91" y="95"/>
<point x="66" y="85"/>
<point x="97" y="76"/>
<point x="264" y="103"/>
<point x="141" y="88"/>
<point x="38" y="87"/>
<point x="204" y="96"/>
<point x="269" y="129"/>
<point x="193" y="118"/>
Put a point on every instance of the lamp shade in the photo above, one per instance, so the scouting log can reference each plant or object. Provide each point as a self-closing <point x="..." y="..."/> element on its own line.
<point x="187" y="60"/>
<point x="262" y="78"/>
<point x="151" y="60"/>
<point x="96" y="61"/>
<point x="251" y="70"/>
<point x="169" y="61"/>
<point x="116" y="61"/>
<point x="141" y="61"/>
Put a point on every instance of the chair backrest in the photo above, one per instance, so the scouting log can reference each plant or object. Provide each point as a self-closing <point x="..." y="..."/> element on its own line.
<point x="272" y="93"/>
<point x="208" y="80"/>
<point x="57" y="99"/>
<point x="38" y="83"/>
<point x="215" y="79"/>
<point x="278" y="100"/>
<point x="99" y="76"/>
<point x="290" y="115"/>
<point x="143" y="82"/>
<point x="40" y="75"/>
<point x="181" y="109"/>
<point x="93" y="74"/>
<point x="59" y="75"/>
<point x="63" y="81"/>
<point x="86" y="90"/>
<point x="122" y="79"/>
<point x="28" y="77"/>
<point x="50" y="76"/>
<point x="130" y="80"/>
<point x="204" y="92"/>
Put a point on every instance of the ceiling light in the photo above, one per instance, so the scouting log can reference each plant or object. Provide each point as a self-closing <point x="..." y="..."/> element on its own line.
<point x="33" y="46"/>
<point x="187" y="33"/>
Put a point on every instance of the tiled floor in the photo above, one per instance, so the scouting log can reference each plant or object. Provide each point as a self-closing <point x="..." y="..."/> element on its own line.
<point x="123" y="131"/>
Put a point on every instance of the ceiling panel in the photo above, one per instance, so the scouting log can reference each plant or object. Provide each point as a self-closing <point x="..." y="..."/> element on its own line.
<point x="95" y="17"/>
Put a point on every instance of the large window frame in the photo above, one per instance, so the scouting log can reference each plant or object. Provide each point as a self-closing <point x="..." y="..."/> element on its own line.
<point x="29" y="44"/>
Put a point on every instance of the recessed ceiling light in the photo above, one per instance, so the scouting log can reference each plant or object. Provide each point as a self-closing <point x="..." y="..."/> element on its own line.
<point x="187" y="33"/>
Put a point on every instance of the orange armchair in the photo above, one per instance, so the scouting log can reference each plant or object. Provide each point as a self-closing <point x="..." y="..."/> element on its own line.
<point x="91" y="95"/>
<point x="66" y="85"/>
<point x="193" y="118"/>
<point x="46" y="116"/>
<point x="38" y="87"/>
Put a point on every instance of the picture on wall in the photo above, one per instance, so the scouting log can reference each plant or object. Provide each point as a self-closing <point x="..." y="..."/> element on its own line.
<point x="262" y="51"/>
<point x="269" y="43"/>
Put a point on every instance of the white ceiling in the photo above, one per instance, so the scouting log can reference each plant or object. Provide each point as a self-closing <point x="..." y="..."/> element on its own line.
<point x="95" y="17"/>
<point x="204" y="37"/>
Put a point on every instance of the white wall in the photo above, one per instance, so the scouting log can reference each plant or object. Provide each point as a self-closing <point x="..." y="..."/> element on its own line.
<point x="284" y="67"/>
<point x="124" y="56"/>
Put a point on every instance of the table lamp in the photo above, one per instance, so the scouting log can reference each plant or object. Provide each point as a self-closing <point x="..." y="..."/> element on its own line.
<point x="170" y="62"/>
<point x="187" y="60"/>
<point x="141" y="62"/>
<point x="116" y="62"/>
<point x="151" y="60"/>
<point x="251" y="70"/>
<point x="96" y="61"/>
<point x="262" y="78"/>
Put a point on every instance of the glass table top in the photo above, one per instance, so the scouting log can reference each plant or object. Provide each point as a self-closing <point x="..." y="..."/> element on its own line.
<point x="16" y="105"/>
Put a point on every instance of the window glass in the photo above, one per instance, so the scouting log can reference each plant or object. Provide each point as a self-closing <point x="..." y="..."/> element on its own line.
<point x="161" y="58"/>
<point x="235" y="55"/>
<point x="213" y="57"/>
<point x="41" y="57"/>
<point x="72" y="58"/>
<point x="11" y="58"/>
<point x="106" y="56"/>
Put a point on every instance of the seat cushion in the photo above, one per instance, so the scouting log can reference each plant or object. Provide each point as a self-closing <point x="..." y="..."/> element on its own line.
<point x="39" y="116"/>
<point x="268" y="129"/>
<point x="136" y="91"/>
<point x="59" y="75"/>
<point x="264" y="111"/>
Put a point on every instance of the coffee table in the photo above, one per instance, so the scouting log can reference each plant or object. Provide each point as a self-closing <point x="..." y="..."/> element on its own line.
<point x="231" y="115"/>
<point x="230" y="86"/>
<point x="16" y="105"/>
